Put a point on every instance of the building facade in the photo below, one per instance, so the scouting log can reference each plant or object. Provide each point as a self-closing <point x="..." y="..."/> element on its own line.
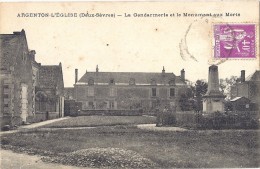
<point x="35" y="78"/>
<point x="16" y="79"/>
<point x="50" y="90"/>
<point x="21" y="78"/>
<point x="248" y="87"/>
<point x="129" y="90"/>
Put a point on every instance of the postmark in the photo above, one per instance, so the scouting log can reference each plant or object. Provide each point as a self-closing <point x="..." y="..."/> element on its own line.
<point x="234" y="41"/>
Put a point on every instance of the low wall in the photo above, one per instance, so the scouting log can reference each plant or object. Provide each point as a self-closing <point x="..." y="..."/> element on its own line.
<point x="9" y="120"/>
<point x="111" y="112"/>
<point x="38" y="117"/>
<point x="42" y="116"/>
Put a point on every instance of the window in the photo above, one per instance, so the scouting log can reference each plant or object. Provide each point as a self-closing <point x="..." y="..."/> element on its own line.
<point x="172" y="92"/>
<point x="171" y="82"/>
<point x="91" y="91"/>
<point x="6" y="86"/>
<point x="111" y="105"/>
<point x="111" y="81"/>
<point x="112" y="92"/>
<point x="153" y="82"/>
<point x="153" y="92"/>
<point x="91" y="82"/>
<point x="132" y="81"/>
<point x="6" y="105"/>
<point x="91" y="105"/>
<point x="6" y="95"/>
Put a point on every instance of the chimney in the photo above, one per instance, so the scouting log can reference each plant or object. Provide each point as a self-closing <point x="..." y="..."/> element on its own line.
<point x="76" y="76"/>
<point x="183" y="75"/>
<point x="243" y="72"/>
<point x="23" y="32"/>
<point x="32" y="55"/>
<point x="97" y="69"/>
<point x="163" y="71"/>
<point x="20" y="33"/>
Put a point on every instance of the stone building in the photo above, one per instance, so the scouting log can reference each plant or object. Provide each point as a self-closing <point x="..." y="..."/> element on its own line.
<point x="241" y="104"/>
<point x="248" y="87"/>
<point x="35" y="77"/>
<point x="16" y="79"/>
<point x="50" y="90"/>
<point x="21" y="78"/>
<point x="129" y="90"/>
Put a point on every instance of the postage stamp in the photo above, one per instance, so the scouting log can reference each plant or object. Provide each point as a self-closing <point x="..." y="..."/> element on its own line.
<point x="234" y="41"/>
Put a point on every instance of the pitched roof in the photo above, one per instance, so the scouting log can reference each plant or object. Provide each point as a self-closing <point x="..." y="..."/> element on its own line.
<point x="235" y="99"/>
<point x="238" y="98"/>
<point x="254" y="77"/>
<point x="50" y="76"/>
<point x="124" y="77"/>
<point x="9" y="48"/>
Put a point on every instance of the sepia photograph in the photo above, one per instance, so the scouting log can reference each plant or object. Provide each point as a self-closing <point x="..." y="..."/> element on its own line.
<point x="129" y="84"/>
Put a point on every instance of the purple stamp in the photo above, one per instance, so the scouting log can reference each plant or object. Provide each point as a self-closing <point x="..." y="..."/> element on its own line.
<point x="234" y="41"/>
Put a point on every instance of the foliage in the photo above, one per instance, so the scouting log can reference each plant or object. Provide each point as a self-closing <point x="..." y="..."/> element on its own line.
<point x="228" y="106"/>
<point x="165" y="119"/>
<point x="225" y="85"/>
<point x="229" y="120"/>
<point x="192" y="99"/>
<point x="186" y="102"/>
<point x="190" y="149"/>
<point x="200" y="89"/>
<point x="103" y="157"/>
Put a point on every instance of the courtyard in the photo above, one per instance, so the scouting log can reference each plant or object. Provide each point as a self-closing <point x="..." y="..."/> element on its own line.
<point x="117" y="142"/>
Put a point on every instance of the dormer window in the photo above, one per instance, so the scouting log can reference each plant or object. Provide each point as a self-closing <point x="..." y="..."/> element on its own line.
<point x="172" y="82"/>
<point x="91" y="82"/>
<point x="132" y="81"/>
<point x="111" y="81"/>
<point x="153" y="82"/>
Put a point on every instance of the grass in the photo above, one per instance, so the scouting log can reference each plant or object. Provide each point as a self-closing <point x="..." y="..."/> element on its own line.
<point x="198" y="149"/>
<point x="90" y="121"/>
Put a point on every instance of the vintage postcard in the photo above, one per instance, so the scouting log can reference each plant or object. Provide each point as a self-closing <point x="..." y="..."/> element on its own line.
<point x="170" y="84"/>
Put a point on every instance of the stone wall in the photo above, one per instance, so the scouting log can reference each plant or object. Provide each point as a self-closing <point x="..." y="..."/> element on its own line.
<point x="20" y="85"/>
<point x="127" y="97"/>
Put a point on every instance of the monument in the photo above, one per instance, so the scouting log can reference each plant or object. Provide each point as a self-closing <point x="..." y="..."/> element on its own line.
<point x="213" y="99"/>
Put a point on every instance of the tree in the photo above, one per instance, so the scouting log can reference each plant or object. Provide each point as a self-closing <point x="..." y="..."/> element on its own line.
<point x="187" y="100"/>
<point x="192" y="98"/>
<point x="225" y="85"/>
<point x="200" y="89"/>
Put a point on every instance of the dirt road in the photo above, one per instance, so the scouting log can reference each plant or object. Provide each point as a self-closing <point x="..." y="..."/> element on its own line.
<point x="11" y="160"/>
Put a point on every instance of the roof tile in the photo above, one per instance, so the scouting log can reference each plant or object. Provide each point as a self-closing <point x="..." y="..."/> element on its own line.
<point x="124" y="77"/>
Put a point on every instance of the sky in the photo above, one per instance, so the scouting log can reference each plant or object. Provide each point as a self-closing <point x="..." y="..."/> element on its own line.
<point x="130" y="44"/>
